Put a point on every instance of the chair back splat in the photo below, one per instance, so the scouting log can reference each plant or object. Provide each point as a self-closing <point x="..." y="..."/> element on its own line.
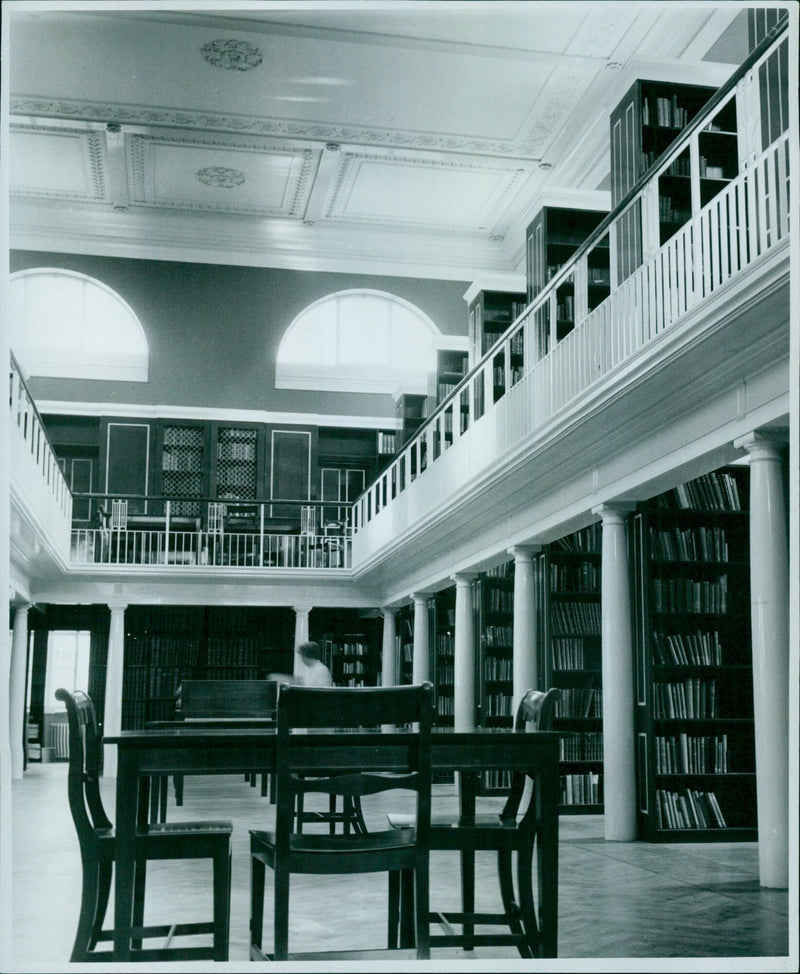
<point x="97" y="841"/>
<point x="325" y="760"/>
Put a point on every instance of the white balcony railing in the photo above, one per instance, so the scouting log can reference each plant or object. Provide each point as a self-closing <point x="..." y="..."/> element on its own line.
<point x="734" y="229"/>
<point x="37" y="483"/>
<point x="203" y="534"/>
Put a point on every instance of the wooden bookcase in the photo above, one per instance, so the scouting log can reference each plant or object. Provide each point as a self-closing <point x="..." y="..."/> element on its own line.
<point x="411" y="410"/>
<point x="184" y="468"/>
<point x="404" y="645"/>
<point x="570" y="598"/>
<point x="237" y="471"/>
<point x="694" y="714"/>
<point x="491" y="313"/>
<point x="350" y="643"/>
<point x="167" y="644"/>
<point x="552" y="237"/>
<point x="441" y="630"/>
<point x="494" y="633"/>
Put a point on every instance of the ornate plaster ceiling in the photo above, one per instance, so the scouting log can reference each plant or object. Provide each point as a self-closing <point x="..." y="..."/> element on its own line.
<point x="406" y="139"/>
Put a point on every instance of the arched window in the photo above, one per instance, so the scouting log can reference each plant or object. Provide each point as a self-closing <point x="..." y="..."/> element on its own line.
<point x="357" y="341"/>
<point x="68" y="325"/>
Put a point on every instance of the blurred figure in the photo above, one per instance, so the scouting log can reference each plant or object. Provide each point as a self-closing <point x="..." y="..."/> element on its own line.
<point x="311" y="671"/>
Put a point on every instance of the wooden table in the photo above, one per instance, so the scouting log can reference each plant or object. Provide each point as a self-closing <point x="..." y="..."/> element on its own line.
<point x="193" y="750"/>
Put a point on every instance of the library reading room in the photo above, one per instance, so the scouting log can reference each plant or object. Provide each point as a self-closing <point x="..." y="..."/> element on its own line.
<point x="399" y="487"/>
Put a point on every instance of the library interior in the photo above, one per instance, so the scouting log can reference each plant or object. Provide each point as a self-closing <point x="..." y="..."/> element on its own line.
<point x="422" y="376"/>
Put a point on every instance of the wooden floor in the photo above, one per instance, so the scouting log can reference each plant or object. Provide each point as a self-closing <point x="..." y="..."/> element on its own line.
<point x="635" y="900"/>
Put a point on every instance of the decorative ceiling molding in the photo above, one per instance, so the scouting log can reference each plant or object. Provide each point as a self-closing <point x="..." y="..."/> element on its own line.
<point x="232" y="55"/>
<point x="221" y="176"/>
<point x="256" y="125"/>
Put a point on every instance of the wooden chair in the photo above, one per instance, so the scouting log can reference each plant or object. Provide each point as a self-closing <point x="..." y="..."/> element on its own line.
<point x="181" y="840"/>
<point x="285" y="851"/>
<point x="507" y="833"/>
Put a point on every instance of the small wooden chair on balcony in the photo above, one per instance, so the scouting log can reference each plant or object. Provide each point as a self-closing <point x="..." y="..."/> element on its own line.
<point x="507" y="833"/>
<point x="178" y="840"/>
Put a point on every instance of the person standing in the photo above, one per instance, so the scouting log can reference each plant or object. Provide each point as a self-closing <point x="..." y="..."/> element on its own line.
<point x="312" y="672"/>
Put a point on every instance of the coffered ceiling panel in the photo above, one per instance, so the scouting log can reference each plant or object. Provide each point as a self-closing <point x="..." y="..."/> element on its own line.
<point x="57" y="162"/>
<point x="236" y="179"/>
<point x="412" y="192"/>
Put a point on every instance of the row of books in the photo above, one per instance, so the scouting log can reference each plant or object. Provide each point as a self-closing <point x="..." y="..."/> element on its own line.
<point x="497" y="705"/>
<point x="568" y="653"/>
<point x="667" y="213"/>
<point x="445" y="673"/>
<point x="407" y="652"/>
<point x="233" y="651"/>
<point x="235" y="672"/>
<point x="497" y="668"/>
<point x="494" y="636"/>
<point x="664" y="112"/>
<point x="701" y="543"/>
<point x="185" y="436"/>
<point x="587" y="539"/>
<point x="583" y="576"/>
<point x="691" y="595"/>
<point x="710" y="172"/>
<point x="153" y="681"/>
<point x="161" y="651"/>
<point x="509" y="313"/>
<point x="236" y="451"/>
<point x="445" y="705"/>
<point x="499" y="600"/>
<point x="445" y="644"/>
<point x="698" y="648"/>
<point x="582" y="747"/>
<point x="577" y="617"/>
<point x="716" y="491"/>
<point x="351" y="644"/>
<point x="185" y="462"/>
<point x="688" y="810"/>
<point x="688" y="754"/>
<point x="386" y="442"/>
<point x="582" y="789"/>
<point x="690" y="699"/>
<point x="565" y="309"/>
<point x="579" y="702"/>
<point x="352" y="668"/>
<point x="160" y="620"/>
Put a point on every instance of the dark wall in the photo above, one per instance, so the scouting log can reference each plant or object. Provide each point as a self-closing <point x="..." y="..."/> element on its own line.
<point x="214" y="331"/>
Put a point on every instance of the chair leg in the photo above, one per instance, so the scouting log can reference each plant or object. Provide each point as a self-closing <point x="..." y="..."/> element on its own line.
<point x="510" y="907"/>
<point x="257" y="882"/>
<point x="407" y="908"/>
<point x="299" y="812"/>
<point x="264" y="779"/>
<point x="164" y="792"/>
<point x="332" y="812"/>
<point x="104" y="876"/>
<point x="87" y="918"/>
<point x="393" y="909"/>
<point x="422" y="927"/>
<point x="140" y="878"/>
<point x="178" y="782"/>
<point x="222" y="901"/>
<point x="468" y="895"/>
<point x="526" y="902"/>
<point x="281" y="911"/>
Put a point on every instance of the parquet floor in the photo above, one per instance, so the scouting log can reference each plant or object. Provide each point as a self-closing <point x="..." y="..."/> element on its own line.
<point x="657" y="907"/>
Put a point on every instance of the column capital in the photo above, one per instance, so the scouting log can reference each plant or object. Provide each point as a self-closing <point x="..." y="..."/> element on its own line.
<point x="463" y="578"/>
<point x="389" y="610"/>
<point x="300" y="609"/>
<point x="614" y="510"/>
<point x="524" y="552"/>
<point x="21" y="607"/>
<point x="117" y="605"/>
<point x="420" y="596"/>
<point x="762" y="444"/>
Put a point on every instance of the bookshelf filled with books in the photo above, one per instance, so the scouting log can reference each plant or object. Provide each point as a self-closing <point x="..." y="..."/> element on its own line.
<point x="404" y="645"/>
<point x="494" y="633"/>
<point x="441" y="628"/>
<point x="350" y="644"/>
<point x="570" y="596"/>
<point x="695" y="731"/>
<point x="167" y="644"/>
<point x="491" y="313"/>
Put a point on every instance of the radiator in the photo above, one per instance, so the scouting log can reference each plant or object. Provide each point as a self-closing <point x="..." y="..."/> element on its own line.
<point x="59" y="739"/>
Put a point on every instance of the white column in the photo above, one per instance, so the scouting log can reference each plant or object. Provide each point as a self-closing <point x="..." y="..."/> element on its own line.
<point x="19" y="659"/>
<point x="464" y="655"/>
<point x="389" y="654"/>
<point x="525" y="631"/>
<point x="388" y="648"/>
<point x="618" y="684"/>
<point x="112" y="720"/>
<point x="421" y="668"/>
<point x="301" y="614"/>
<point x="769" y="620"/>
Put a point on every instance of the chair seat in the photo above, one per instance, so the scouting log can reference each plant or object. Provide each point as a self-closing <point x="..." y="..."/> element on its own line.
<point x="483" y="821"/>
<point x="320" y="843"/>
